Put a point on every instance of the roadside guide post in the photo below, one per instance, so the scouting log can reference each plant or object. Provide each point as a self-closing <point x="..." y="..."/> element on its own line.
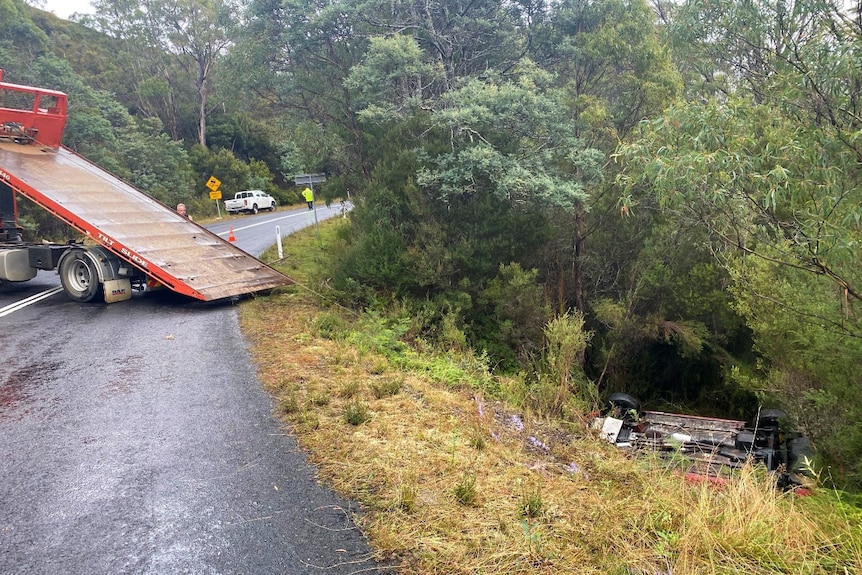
<point x="278" y="242"/>
<point x="215" y="194"/>
<point x="309" y="180"/>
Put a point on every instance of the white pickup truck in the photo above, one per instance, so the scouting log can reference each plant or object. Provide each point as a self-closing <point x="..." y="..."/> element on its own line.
<point x="250" y="201"/>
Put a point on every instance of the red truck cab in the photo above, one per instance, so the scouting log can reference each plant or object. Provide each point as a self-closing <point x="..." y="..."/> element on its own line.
<point x="29" y="115"/>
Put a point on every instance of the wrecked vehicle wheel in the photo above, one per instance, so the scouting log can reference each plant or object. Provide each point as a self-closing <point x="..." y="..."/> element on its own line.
<point x="770" y="417"/>
<point x="623" y="406"/>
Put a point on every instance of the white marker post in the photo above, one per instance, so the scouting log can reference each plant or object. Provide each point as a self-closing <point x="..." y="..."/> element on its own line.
<point x="278" y="242"/>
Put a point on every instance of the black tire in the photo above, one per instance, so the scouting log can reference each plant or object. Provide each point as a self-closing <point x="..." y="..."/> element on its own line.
<point x="272" y="207"/>
<point x="797" y="450"/>
<point x="254" y="209"/>
<point x="622" y="404"/>
<point x="79" y="277"/>
<point x="770" y="417"/>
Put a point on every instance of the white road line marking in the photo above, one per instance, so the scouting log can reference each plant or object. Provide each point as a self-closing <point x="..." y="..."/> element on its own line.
<point x="11" y="308"/>
<point x="237" y="229"/>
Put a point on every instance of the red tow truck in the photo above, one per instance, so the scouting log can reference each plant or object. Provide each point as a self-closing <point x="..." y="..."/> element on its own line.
<point x="130" y="240"/>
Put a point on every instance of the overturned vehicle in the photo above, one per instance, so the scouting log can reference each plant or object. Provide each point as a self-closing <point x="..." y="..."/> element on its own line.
<point x="712" y="446"/>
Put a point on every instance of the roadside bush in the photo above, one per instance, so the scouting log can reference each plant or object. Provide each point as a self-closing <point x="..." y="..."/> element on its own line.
<point x="511" y="313"/>
<point x="387" y="387"/>
<point x="561" y="384"/>
<point x="290" y="197"/>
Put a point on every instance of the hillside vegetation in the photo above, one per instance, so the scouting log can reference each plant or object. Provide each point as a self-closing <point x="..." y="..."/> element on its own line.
<point x="455" y="476"/>
<point x="667" y="194"/>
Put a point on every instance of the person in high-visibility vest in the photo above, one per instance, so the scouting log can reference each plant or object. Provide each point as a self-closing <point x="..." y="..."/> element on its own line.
<point x="309" y="197"/>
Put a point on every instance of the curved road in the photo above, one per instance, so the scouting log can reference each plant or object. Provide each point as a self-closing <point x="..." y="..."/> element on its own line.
<point x="135" y="438"/>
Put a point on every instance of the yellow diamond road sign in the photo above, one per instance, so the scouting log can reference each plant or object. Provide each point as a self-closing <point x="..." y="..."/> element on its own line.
<point x="213" y="183"/>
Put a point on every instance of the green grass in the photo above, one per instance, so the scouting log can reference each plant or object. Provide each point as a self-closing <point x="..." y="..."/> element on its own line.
<point x="465" y="490"/>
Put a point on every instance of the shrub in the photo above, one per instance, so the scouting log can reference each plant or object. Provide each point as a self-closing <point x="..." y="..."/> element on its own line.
<point x="465" y="490"/>
<point x="356" y="413"/>
<point x="387" y="387"/>
<point x="560" y="380"/>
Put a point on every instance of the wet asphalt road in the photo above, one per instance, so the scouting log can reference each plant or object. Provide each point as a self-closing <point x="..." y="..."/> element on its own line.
<point x="254" y="234"/>
<point x="135" y="439"/>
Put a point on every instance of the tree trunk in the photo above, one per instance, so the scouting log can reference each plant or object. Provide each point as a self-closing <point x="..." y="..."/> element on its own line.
<point x="578" y="270"/>
<point x="202" y="102"/>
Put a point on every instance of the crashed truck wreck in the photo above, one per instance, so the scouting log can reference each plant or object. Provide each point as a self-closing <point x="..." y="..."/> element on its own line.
<point x="713" y="447"/>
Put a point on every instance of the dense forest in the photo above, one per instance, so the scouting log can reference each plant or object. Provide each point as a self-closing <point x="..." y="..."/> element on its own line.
<point x="670" y="193"/>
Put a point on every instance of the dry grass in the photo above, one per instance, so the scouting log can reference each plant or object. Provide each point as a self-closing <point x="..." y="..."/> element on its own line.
<point x="454" y="482"/>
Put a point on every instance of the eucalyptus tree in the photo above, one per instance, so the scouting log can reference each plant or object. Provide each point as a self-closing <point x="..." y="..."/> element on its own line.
<point x="799" y="55"/>
<point x="603" y="60"/>
<point x="782" y="206"/>
<point x="609" y="56"/>
<point x="172" y="48"/>
<point x="294" y="55"/>
<point x="302" y="51"/>
<point x="151" y="78"/>
<point x="466" y="37"/>
<point x="442" y="95"/>
<point x="610" y="64"/>
<point x="196" y="32"/>
<point x="481" y="166"/>
<point x="513" y="137"/>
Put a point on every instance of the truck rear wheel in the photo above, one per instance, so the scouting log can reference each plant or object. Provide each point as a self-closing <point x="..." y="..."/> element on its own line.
<point x="254" y="209"/>
<point x="79" y="277"/>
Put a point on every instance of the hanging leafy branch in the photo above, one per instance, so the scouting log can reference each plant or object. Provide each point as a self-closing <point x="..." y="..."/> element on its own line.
<point x="755" y="179"/>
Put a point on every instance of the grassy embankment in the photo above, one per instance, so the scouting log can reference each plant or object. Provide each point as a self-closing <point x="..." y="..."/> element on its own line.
<point x="455" y="480"/>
